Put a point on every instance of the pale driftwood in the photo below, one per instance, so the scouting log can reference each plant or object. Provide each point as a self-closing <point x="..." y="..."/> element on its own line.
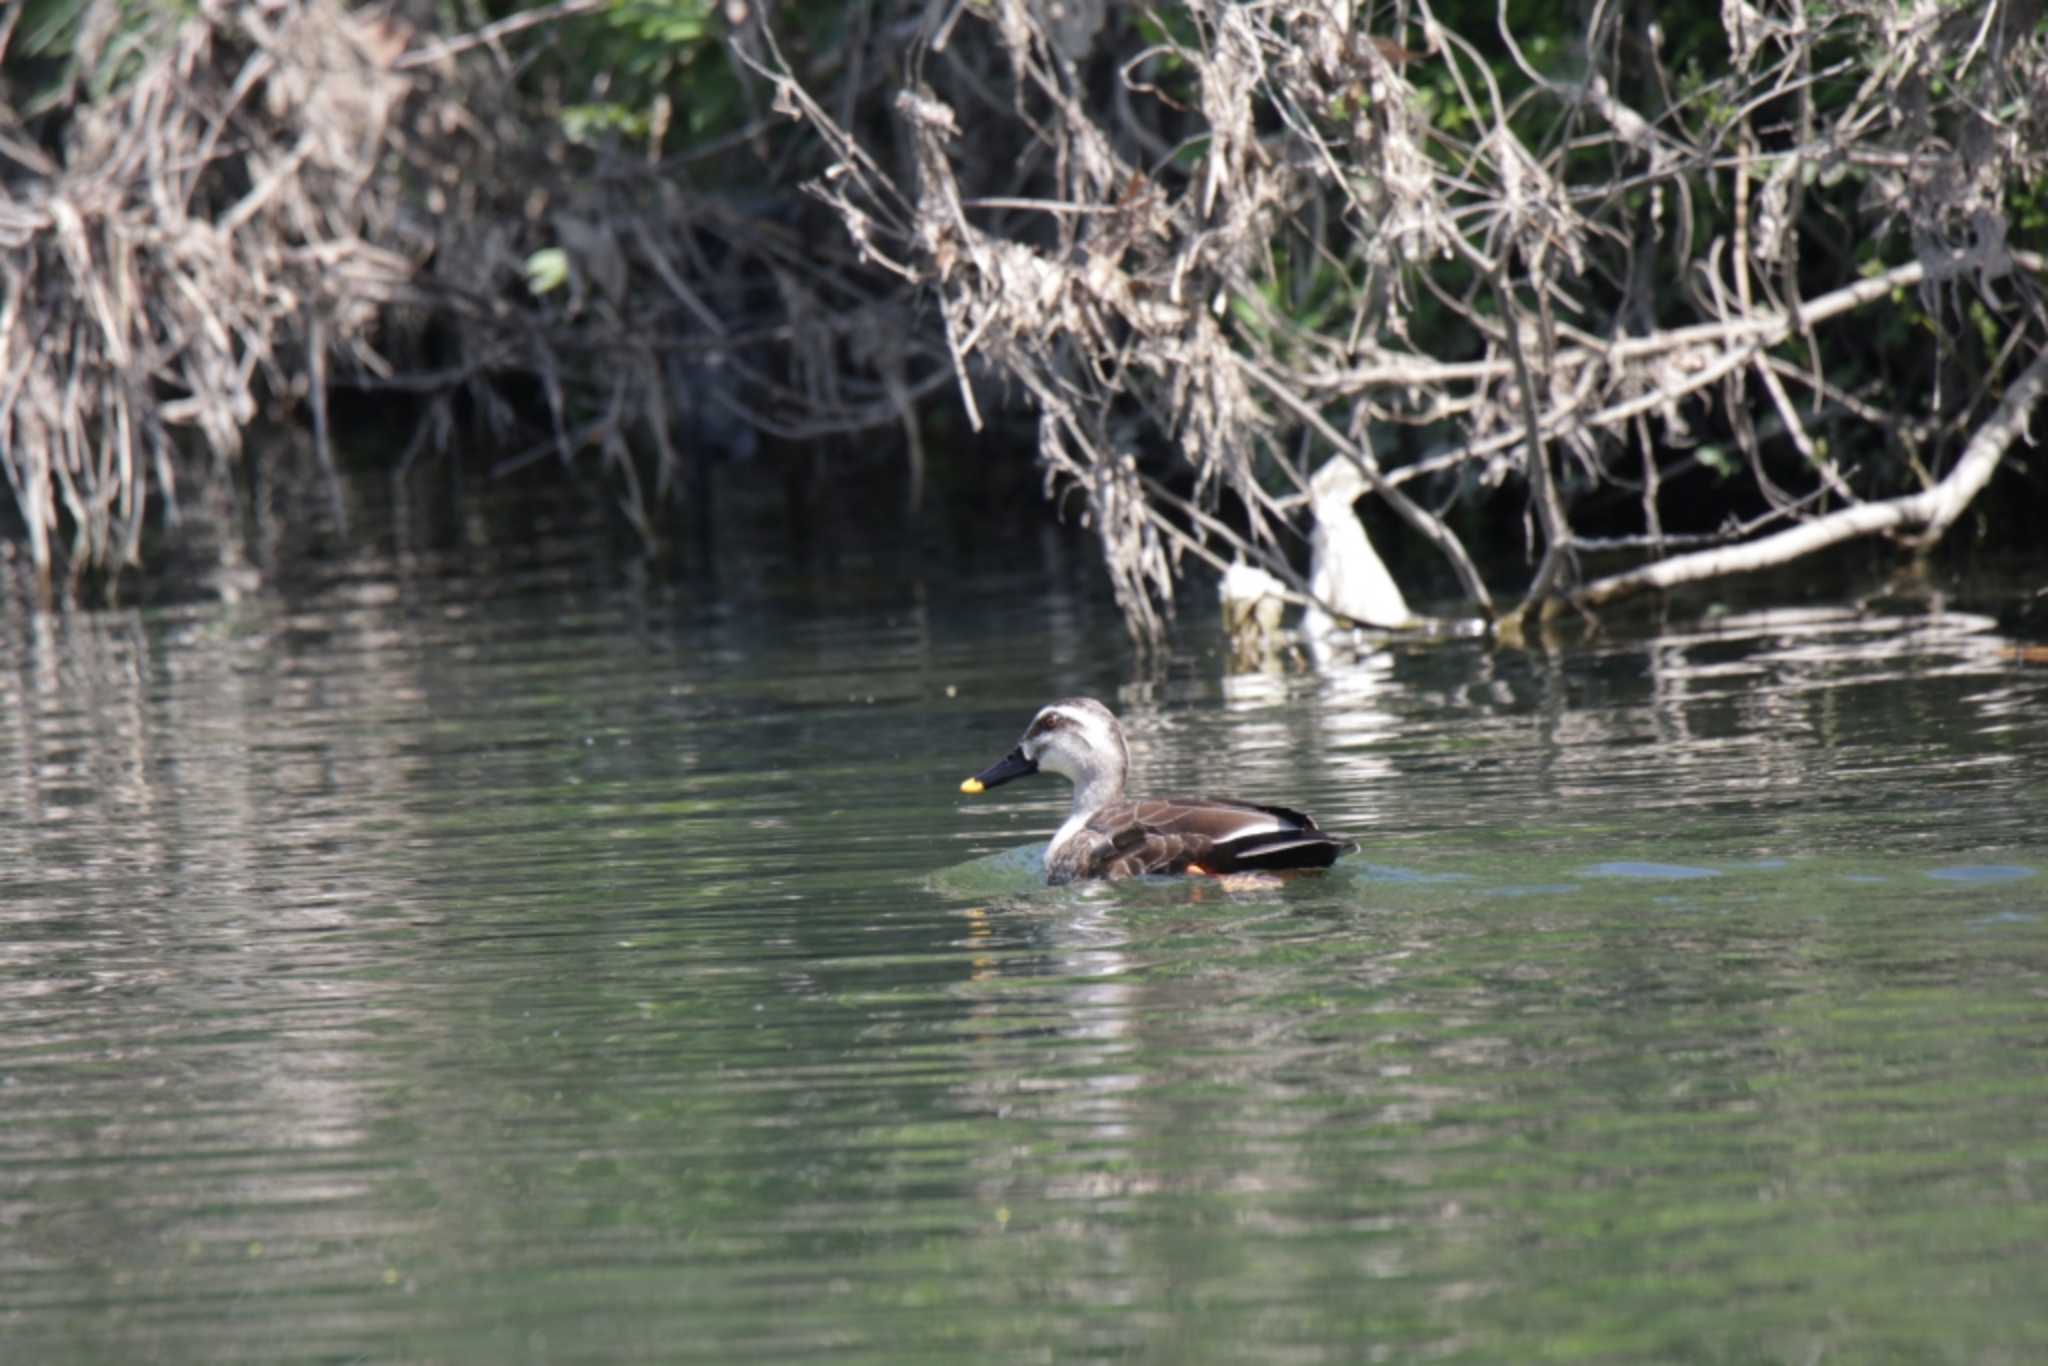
<point x="1344" y="569"/>
<point x="1928" y="513"/>
<point x="1410" y="511"/>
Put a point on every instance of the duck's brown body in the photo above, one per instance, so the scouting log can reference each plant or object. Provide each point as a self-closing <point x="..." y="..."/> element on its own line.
<point x="1190" y="835"/>
<point x="1110" y="836"/>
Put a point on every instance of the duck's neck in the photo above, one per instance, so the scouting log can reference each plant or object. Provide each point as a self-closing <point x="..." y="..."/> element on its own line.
<point x="1097" y="792"/>
<point x="1061" y="857"/>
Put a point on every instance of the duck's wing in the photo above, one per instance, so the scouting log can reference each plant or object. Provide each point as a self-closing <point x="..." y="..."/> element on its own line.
<point x="1173" y="834"/>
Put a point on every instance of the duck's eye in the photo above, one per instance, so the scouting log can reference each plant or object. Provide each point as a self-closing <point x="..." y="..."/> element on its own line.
<point x="1046" y="724"/>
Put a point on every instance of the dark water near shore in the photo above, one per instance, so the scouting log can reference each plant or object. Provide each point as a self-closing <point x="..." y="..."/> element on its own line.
<point x="434" y="966"/>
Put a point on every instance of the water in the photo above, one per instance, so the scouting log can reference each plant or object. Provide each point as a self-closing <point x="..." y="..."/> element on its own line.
<point x="482" y="966"/>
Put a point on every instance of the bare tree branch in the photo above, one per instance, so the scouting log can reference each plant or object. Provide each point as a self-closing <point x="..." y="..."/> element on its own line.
<point x="1930" y="512"/>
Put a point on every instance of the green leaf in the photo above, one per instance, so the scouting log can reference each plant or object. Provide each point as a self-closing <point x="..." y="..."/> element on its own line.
<point x="547" y="269"/>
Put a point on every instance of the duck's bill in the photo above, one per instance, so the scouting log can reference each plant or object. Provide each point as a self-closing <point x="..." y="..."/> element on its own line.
<point x="1011" y="765"/>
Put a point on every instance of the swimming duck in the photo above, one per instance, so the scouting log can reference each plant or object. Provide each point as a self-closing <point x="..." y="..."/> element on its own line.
<point x="1108" y="836"/>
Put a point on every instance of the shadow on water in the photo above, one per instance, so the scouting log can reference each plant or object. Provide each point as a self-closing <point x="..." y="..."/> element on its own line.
<point x="445" y="964"/>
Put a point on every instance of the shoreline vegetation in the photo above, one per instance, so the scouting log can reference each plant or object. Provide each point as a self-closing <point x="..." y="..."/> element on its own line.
<point x="1323" y="297"/>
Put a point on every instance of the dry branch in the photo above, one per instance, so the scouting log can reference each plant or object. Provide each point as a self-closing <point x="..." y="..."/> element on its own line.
<point x="203" y="237"/>
<point x="1202" y="312"/>
<point x="1929" y="512"/>
<point x="293" y="198"/>
<point x="1214" y="247"/>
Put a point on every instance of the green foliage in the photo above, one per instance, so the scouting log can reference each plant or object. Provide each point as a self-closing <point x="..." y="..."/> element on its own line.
<point x="48" y="30"/>
<point x="658" y="70"/>
<point x="1719" y="459"/>
<point x="654" y="67"/>
<point x="2027" y="205"/>
<point x="44" y="60"/>
<point x="1168" y="27"/>
<point x="546" y="270"/>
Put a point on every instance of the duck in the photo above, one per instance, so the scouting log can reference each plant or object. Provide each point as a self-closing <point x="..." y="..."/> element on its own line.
<point x="1110" y="836"/>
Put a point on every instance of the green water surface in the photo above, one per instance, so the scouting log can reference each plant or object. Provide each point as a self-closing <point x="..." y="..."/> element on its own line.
<point x="499" y="969"/>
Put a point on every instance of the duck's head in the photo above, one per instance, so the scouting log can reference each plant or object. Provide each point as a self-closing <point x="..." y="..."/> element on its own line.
<point x="1076" y="737"/>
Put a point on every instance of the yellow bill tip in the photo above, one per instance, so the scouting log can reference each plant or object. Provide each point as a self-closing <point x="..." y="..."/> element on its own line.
<point x="971" y="786"/>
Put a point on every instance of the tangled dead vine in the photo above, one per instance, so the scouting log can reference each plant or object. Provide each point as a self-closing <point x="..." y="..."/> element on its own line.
<point x="1214" y="231"/>
<point x="162" y="262"/>
<point x="1205" y="241"/>
<point x="285" y="200"/>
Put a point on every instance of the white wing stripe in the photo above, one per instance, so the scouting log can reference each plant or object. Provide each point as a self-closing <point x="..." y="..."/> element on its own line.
<point x="1246" y="832"/>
